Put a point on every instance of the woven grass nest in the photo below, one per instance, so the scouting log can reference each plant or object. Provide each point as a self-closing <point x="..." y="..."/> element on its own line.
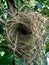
<point x="26" y="33"/>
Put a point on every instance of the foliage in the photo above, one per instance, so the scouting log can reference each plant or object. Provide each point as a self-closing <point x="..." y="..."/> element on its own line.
<point x="47" y="46"/>
<point x="34" y="5"/>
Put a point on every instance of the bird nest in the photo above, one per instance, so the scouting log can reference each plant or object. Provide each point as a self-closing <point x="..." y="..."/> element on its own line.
<point x="25" y="33"/>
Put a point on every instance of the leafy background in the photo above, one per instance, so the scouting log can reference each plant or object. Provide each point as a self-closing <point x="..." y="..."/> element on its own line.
<point x="41" y="6"/>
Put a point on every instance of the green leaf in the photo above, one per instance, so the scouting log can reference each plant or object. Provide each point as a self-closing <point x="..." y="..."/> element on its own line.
<point x="18" y="3"/>
<point x="47" y="46"/>
<point x="6" y="57"/>
<point x="2" y="53"/>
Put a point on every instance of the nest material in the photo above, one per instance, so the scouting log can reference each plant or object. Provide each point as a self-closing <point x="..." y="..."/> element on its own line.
<point x="26" y="33"/>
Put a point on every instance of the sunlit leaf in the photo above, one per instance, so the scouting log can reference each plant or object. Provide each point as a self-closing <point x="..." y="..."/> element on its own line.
<point x="2" y="53"/>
